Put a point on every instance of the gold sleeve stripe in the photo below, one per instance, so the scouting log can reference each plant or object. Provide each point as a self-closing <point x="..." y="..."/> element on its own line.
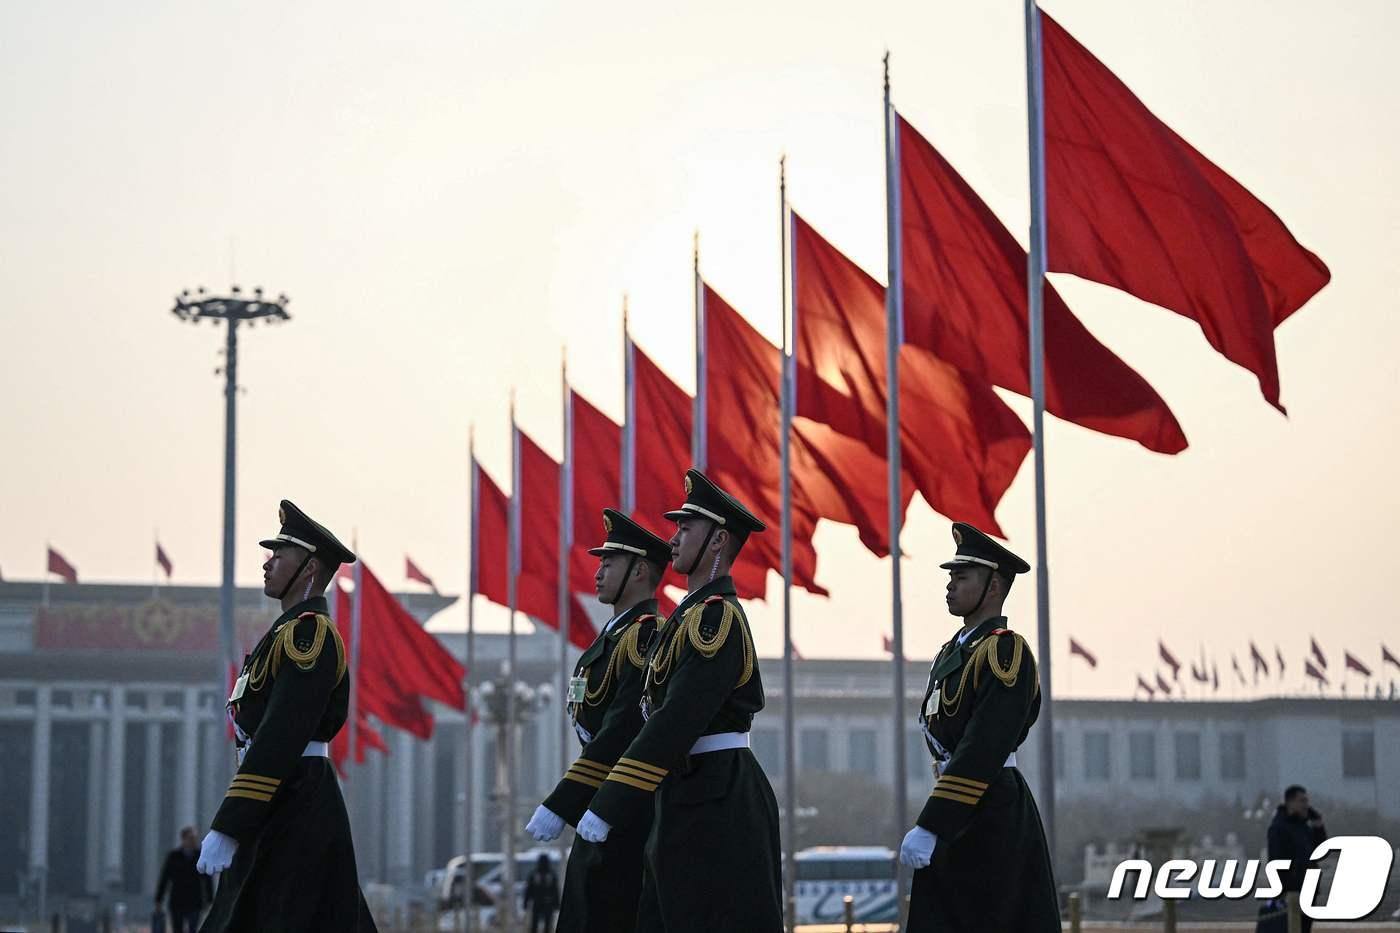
<point x="256" y="779"/>
<point x="590" y="767"/>
<point x="643" y="766"/>
<point x="966" y="782"/>
<point x="949" y="795"/>
<point x="639" y="775"/>
<point x="250" y="794"/>
<point x="959" y="791"/>
<point x="632" y="782"/>
<point x="595" y="783"/>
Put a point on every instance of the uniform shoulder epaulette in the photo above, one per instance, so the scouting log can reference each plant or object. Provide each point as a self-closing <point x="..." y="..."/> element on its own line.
<point x="988" y="655"/>
<point x="302" y="640"/>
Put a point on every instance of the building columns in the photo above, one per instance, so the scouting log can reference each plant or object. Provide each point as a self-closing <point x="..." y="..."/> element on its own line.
<point x="93" y="863"/>
<point x="39" y="792"/>
<point x="187" y="777"/>
<point x="112" y="875"/>
<point x="152" y="845"/>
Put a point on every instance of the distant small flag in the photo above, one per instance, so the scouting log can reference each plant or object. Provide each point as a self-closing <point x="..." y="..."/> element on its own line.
<point x="61" y="567"/>
<point x="1163" y="686"/>
<point x="1354" y="664"/>
<point x="1259" y="663"/>
<point x="1278" y="656"/>
<point x="1168" y="658"/>
<point x="1144" y="685"/>
<point x="1198" y="674"/>
<point x="1215" y="676"/>
<point x="163" y="559"/>
<point x="889" y="645"/>
<point x="1388" y="658"/>
<point x="1317" y="653"/>
<point x="413" y="573"/>
<point x="796" y="654"/>
<point x="1076" y="648"/>
<point x="1311" y="670"/>
<point x="1238" y="672"/>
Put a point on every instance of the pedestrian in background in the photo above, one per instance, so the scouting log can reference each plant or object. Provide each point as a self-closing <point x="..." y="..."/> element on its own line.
<point x="542" y="895"/>
<point x="1296" y="831"/>
<point x="190" y="892"/>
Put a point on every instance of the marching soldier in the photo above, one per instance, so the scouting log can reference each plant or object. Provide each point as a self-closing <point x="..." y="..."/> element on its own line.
<point x="712" y="859"/>
<point x="281" y="836"/>
<point x="602" y="883"/>
<point x="978" y="846"/>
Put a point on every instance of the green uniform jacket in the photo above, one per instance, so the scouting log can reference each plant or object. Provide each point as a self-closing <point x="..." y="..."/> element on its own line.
<point x="712" y="859"/>
<point x="982" y="698"/>
<point x="294" y="869"/>
<point x="602" y="883"/>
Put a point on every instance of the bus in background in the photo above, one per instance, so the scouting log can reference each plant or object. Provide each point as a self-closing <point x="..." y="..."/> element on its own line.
<point x="826" y="874"/>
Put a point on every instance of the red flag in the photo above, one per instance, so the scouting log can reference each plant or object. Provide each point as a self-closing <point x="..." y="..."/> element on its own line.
<point x="1132" y="205"/>
<point x="412" y="572"/>
<point x="1076" y="648"/>
<point x="797" y="655"/>
<point x="164" y="560"/>
<point x="888" y="645"/>
<point x="1388" y="658"/>
<point x="597" y="485"/>
<point x="965" y="301"/>
<point x="1278" y="656"/>
<point x="1312" y="671"/>
<point x="1259" y="662"/>
<point x="1198" y="674"/>
<point x="407" y="664"/>
<point x="61" y="567"/>
<point x="1354" y="664"/>
<point x="1317" y="652"/>
<point x="831" y="473"/>
<point x="492" y="515"/>
<point x="537" y="587"/>
<point x="1214" y="676"/>
<point x="960" y="443"/>
<point x="1163" y="686"/>
<point x="1144" y="685"/>
<point x="1238" y="673"/>
<point x="366" y="737"/>
<point x="1168" y="658"/>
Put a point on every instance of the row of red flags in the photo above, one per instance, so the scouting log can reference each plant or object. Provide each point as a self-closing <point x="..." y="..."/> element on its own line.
<point x="1130" y="204"/>
<point x="1314" y="666"/>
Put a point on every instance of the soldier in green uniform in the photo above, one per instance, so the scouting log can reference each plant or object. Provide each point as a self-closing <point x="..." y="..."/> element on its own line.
<point x="603" y="882"/>
<point x="281" y="837"/>
<point x="978" y="846"/>
<point x="711" y="862"/>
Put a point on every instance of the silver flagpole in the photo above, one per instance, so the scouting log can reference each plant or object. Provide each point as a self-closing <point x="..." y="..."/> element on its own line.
<point x="473" y="582"/>
<point x="629" y="418"/>
<point x="1035" y="275"/>
<point x="787" y="397"/>
<point x="356" y="616"/>
<point x="513" y="571"/>
<point x="566" y="538"/>
<point x="894" y="336"/>
<point x="699" y="427"/>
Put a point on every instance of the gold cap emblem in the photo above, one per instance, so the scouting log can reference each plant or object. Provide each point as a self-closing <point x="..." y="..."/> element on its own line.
<point x="607" y="523"/>
<point x="957" y="537"/>
<point x="281" y="516"/>
<point x="687" y="484"/>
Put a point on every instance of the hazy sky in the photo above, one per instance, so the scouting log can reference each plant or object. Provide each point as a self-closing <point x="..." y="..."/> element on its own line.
<point x="452" y="192"/>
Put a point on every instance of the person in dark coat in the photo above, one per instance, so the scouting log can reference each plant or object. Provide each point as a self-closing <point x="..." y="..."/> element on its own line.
<point x="1297" y="829"/>
<point x="281" y="837"/>
<point x="541" y="895"/>
<point x="978" y="847"/>
<point x="712" y="860"/>
<point x="190" y="892"/>
<point x="602" y="883"/>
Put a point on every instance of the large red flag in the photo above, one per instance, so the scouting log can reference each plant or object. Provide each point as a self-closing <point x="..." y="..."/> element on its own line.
<point x="492" y="512"/>
<point x="537" y="587"/>
<point x="960" y="443"/>
<point x="1131" y="204"/>
<point x="60" y="567"/>
<point x="831" y="473"/>
<point x="597" y="467"/>
<point x="965" y="301"/>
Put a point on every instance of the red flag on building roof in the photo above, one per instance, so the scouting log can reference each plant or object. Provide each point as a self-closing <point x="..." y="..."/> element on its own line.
<point x="1354" y="664"/>
<point x="1132" y="205"/>
<point x="1317" y="652"/>
<point x="1312" y="671"/>
<point x="1076" y="648"/>
<point x="1168" y="658"/>
<point x="491" y="512"/>
<point x="1163" y="685"/>
<point x="1388" y="658"/>
<point x="412" y="572"/>
<point x="1214" y="676"/>
<point x="887" y="644"/>
<point x="1199" y="674"/>
<point x="965" y="301"/>
<point x="1144" y="685"/>
<point x="60" y="567"/>
<point x="960" y="443"/>
<point x="163" y="560"/>
<point x="1278" y="656"/>
<point x="1259" y="663"/>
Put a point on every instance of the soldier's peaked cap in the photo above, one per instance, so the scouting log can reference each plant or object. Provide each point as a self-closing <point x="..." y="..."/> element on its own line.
<point x="703" y="499"/>
<point x="627" y="537"/>
<point x="305" y="532"/>
<point x="976" y="549"/>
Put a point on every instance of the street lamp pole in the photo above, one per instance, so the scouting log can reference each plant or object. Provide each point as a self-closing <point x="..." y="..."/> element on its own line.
<point x="233" y="309"/>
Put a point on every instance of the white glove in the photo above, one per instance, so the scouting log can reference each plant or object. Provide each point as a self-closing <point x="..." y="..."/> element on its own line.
<point x="917" y="849"/>
<point x="216" y="853"/>
<point x="545" y="825"/>
<point x="593" y="827"/>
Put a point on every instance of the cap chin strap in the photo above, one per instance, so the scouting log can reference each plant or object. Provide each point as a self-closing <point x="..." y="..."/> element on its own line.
<point x="985" y="587"/>
<point x="714" y="526"/>
<point x="300" y="567"/>
<point x="622" y="585"/>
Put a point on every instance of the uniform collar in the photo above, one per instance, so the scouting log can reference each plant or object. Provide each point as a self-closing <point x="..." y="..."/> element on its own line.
<point x="719" y="586"/>
<point x="982" y="629"/>
<point x="315" y="604"/>
<point x="618" y="622"/>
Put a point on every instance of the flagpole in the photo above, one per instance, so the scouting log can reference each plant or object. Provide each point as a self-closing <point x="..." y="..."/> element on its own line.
<point x="566" y="535"/>
<point x="1035" y="93"/>
<point x="786" y="406"/>
<point x="513" y="569"/>
<point x="469" y="808"/>
<point x="629" y="417"/>
<point x="894" y="336"/>
<point x="698" y="428"/>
